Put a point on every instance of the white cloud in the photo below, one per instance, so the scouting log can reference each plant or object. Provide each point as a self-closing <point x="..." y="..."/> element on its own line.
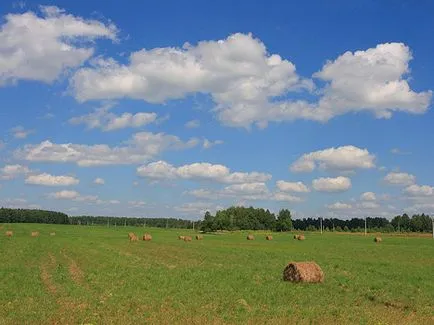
<point x="20" y="132"/>
<point x="76" y="196"/>
<point x="238" y="73"/>
<point x="250" y="86"/>
<point x="328" y="184"/>
<point x="13" y="171"/>
<point x="103" y="119"/>
<point x="368" y="196"/>
<point x="419" y="190"/>
<point x="372" y="80"/>
<point x="281" y="196"/>
<point x="209" y="144"/>
<point x="395" y="178"/>
<point x="99" y="181"/>
<point x="398" y="151"/>
<point x="199" y="171"/>
<point x="246" y="189"/>
<point x="51" y="180"/>
<point x="65" y="195"/>
<point x="42" y="47"/>
<point x="297" y="187"/>
<point x="339" y="206"/>
<point x="142" y="147"/>
<point x="192" y="124"/>
<point x="368" y="205"/>
<point x="244" y="192"/>
<point x="202" y="194"/>
<point x="136" y="204"/>
<point x="197" y="208"/>
<point x="340" y="158"/>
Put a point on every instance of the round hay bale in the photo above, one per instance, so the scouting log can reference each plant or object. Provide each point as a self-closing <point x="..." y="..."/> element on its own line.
<point x="52" y="234"/>
<point x="199" y="237"/>
<point x="181" y="237"/>
<point x="296" y="236"/>
<point x="301" y="237"/>
<point x="269" y="237"/>
<point x="147" y="237"/>
<point x="378" y="239"/>
<point x="187" y="238"/>
<point x="132" y="236"/>
<point x="35" y="233"/>
<point x="250" y="237"/>
<point x="303" y="272"/>
<point x="9" y="233"/>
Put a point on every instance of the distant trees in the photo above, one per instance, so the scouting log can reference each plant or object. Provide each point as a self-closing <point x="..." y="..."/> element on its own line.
<point x="32" y="216"/>
<point x="284" y="221"/>
<point x="233" y="218"/>
<point x="242" y="218"/>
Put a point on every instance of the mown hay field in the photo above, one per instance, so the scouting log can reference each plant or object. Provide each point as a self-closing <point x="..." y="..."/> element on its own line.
<point x="96" y="275"/>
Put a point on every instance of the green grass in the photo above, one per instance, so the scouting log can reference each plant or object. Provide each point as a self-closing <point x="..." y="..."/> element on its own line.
<point x="95" y="275"/>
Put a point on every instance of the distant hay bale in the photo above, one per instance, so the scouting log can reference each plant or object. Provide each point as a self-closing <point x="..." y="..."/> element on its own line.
<point x="9" y="233"/>
<point x="199" y="237"/>
<point x="296" y="236"/>
<point x="250" y="237"/>
<point x="181" y="237"/>
<point x="269" y="237"/>
<point x="132" y="236"/>
<point x="147" y="237"/>
<point x="187" y="238"/>
<point x="35" y="233"/>
<point x="301" y="237"/>
<point x="52" y="234"/>
<point x="378" y="239"/>
<point x="303" y="272"/>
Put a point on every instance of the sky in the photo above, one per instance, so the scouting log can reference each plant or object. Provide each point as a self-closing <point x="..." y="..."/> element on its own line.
<point x="174" y="108"/>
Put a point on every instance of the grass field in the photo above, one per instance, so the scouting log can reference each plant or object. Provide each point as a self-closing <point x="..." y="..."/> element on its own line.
<point x="94" y="275"/>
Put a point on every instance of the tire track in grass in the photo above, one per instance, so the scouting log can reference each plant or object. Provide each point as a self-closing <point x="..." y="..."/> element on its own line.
<point x="46" y="276"/>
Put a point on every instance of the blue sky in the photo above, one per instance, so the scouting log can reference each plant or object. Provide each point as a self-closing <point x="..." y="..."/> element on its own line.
<point x="173" y="108"/>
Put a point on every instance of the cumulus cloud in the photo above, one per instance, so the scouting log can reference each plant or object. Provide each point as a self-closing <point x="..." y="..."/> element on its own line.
<point x="209" y="144"/>
<point x="12" y="171"/>
<point x="78" y="197"/>
<point x="103" y="119"/>
<point x="297" y="187"/>
<point x="419" y="190"/>
<point x="339" y="206"/>
<point x="192" y="124"/>
<point x="372" y="80"/>
<point x="65" y="195"/>
<point x="142" y="147"/>
<point x="244" y="192"/>
<point x="42" y="47"/>
<point x="199" y="171"/>
<point x="397" y="151"/>
<point x="20" y="132"/>
<point x="282" y="196"/>
<point x="51" y="180"/>
<point x="197" y="208"/>
<point x="251" y="86"/>
<point x="328" y="184"/>
<point x="396" y="178"/>
<point x="99" y="181"/>
<point x="341" y="158"/>
<point x="368" y="196"/>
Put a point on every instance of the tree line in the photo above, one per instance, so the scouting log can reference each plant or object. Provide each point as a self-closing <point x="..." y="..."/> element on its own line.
<point x="32" y="216"/>
<point x="233" y="218"/>
<point x="241" y="218"/>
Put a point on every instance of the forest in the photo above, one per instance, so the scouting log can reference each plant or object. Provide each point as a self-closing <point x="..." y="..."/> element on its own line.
<point x="231" y="219"/>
